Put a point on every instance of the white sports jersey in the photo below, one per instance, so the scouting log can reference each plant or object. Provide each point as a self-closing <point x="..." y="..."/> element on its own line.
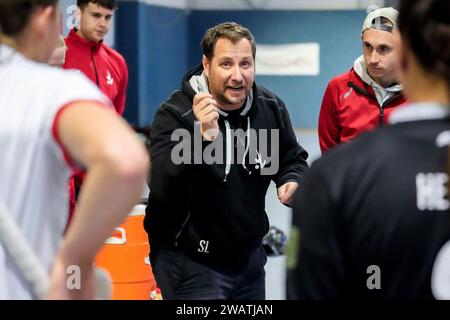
<point x="33" y="171"/>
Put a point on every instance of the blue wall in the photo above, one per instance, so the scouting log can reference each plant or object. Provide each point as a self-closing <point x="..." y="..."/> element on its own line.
<point x="153" y="41"/>
<point x="160" y="44"/>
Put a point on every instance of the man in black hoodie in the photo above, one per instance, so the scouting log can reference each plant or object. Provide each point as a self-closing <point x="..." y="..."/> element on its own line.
<point x="215" y="145"/>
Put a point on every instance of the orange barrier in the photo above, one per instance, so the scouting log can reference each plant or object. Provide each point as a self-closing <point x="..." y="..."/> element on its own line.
<point x="125" y="257"/>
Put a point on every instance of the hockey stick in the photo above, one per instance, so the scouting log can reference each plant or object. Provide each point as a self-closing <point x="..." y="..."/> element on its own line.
<point x="30" y="266"/>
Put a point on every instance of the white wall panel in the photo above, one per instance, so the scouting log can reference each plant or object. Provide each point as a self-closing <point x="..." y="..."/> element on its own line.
<point x="282" y="4"/>
<point x="178" y="4"/>
<point x="264" y="4"/>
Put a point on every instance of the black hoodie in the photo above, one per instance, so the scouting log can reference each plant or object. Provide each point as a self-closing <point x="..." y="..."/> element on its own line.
<point x="215" y="213"/>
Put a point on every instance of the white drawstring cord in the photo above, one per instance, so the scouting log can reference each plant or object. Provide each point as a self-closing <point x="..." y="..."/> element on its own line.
<point x="228" y="150"/>
<point x="247" y="145"/>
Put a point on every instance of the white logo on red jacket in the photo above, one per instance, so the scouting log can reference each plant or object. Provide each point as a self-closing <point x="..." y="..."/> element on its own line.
<point x="109" y="79"/>
<point x="347" y="94"/>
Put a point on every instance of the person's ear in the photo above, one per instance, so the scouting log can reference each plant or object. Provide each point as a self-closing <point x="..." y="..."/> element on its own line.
<point x="78" y="16"/>
<point x="42" y="19"/>
<point x="403" y="57"/>
<point x="206" y="65"/>
<point x="402" y="60"/>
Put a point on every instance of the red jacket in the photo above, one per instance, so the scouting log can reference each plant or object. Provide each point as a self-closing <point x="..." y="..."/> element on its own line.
<point x="350" y="107"/>
<point x="102" y="64"/>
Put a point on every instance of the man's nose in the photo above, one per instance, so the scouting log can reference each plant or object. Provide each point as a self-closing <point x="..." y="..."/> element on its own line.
<point x="103" y="23"/>
<point x="236" y="74"/>
<point x="374" y="57"/>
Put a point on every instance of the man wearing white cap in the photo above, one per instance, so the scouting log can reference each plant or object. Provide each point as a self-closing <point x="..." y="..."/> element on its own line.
<point x="361" y="99"/>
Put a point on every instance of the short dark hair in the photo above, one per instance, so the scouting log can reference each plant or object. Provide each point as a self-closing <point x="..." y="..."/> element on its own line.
<point x="109" y="4"/>
<point x="229" y="30"/>
<point x="15" y="14"/>
<point x="425" y="27"/>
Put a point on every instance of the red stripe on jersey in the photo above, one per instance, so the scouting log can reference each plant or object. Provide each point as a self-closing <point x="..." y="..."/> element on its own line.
<point x="57" y="137"/>
<point x="72" y="164"/>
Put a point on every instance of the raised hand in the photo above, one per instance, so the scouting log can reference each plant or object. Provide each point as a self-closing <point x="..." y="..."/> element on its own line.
<point x="205" y="111"/>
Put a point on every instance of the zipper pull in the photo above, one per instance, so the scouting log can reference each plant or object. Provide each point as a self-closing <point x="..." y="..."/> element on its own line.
<point x="380" y="124"/>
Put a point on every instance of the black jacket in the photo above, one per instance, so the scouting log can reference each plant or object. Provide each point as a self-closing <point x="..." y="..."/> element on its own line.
<point x="372" y="214"/>
<point x="213" y="212"/>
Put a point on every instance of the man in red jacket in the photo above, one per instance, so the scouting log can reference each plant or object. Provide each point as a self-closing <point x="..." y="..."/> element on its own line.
<point x="362" y="98"/>
<point x="87" y="52"/>
<point x="103" y="65"/>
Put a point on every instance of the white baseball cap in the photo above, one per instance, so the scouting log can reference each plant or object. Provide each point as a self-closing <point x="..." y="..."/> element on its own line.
<point x="373" y="19"/>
